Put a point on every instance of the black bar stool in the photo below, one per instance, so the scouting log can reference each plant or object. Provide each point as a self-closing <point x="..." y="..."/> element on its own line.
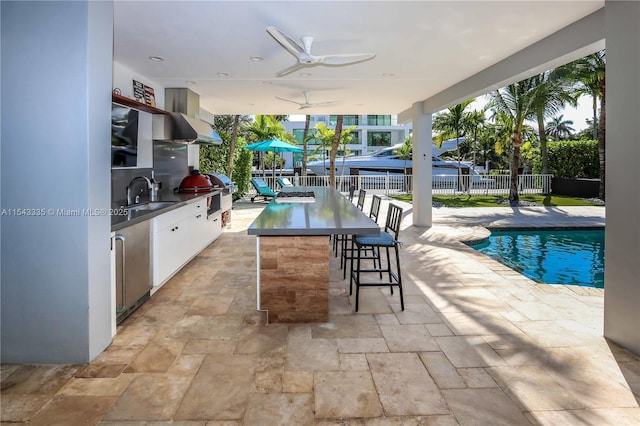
<point x="337" y="239"/>
<point x="387" y="239"/>
<point x="344" y="250"/>
<point x="376" y="201"/>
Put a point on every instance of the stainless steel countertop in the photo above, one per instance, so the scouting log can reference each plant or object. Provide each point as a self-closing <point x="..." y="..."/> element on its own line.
<point x="331" y="213"/>
<point x="128" y="218"/>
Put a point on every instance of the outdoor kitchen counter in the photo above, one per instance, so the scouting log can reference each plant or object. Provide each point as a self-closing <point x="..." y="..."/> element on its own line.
<point x="126" y="217"/>
<point x="331" y="213"/>
<point x="293" y="252"/>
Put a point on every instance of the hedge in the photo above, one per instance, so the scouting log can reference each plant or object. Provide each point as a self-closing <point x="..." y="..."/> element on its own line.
<point x="571" y="159"/>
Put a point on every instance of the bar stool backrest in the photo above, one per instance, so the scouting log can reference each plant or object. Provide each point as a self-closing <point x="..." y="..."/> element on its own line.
<point x="394" y="217"/>
<point x="361" y="196"/>
<point x="375" y="208"/>
<point x="352" y="191"/>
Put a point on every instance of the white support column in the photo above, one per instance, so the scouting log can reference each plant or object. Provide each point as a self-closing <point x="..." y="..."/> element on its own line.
<point x="422" y="141"/>
<point x="622" y="236"/>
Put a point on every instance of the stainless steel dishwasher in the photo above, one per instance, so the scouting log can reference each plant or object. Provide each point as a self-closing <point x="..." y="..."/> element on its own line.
<point x="133" y="268"/>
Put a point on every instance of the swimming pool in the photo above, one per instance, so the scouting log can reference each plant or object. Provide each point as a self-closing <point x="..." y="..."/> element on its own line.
<point x="550" y="256"/>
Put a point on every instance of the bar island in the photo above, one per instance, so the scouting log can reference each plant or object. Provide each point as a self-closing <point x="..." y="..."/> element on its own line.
<point x="293" y="248"/>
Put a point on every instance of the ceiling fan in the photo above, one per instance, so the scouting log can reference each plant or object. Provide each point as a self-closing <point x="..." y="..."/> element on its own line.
<point x="302" y="52"/>
<point x="306" y="103"/>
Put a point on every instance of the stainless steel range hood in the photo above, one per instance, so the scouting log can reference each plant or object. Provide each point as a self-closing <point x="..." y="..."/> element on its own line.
<point x="187" y="129"/>
<point x="182" y="125"/>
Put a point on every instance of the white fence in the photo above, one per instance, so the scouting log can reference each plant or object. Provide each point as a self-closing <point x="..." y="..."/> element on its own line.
<point x="440" y="184"/>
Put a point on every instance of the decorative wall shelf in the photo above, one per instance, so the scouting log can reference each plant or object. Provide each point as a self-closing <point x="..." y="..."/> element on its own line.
<point x="132" y="103"/>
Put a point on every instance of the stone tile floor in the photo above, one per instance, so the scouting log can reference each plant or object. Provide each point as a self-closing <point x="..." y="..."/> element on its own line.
<point x="477" y="344"/>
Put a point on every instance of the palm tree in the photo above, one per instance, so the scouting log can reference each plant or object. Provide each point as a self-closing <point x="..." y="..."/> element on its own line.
<point x="328" y="141"/>
<point x="305" y="142"/>
<point x="590" y="75"/>
<point x="516" y="102"/>
<point x="265" y="127"/>
<point x="550" y="97"/>
<point x="473" y="122"/>
<point x="334" y="150"/>
<point x="453" y="123"/>
<point x="559" y="128"/>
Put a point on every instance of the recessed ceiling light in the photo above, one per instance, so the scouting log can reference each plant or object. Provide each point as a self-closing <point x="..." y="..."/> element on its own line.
<point x="267" y="83"/>
<point x="156" y="58"/>
<point x="305" y="74"/>
<point x="388" y="74"/>
<point x="256" y="58"/>
<point x="190" y="82"/>
<point x="222" y="74"/>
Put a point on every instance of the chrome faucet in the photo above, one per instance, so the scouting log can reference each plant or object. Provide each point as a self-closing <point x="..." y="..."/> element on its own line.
<point x="137" y="198"/>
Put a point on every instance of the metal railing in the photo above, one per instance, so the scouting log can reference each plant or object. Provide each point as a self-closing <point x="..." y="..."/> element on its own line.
<point x="390" y="183"/>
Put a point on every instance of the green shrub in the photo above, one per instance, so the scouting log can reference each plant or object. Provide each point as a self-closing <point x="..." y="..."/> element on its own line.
<point x="571" y="159"/>
<point x="242" y="171"/>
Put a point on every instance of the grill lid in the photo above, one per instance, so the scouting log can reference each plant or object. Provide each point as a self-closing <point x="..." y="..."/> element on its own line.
<point x="218" y="179"/>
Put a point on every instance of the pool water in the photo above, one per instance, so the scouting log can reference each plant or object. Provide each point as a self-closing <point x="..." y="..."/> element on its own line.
<point x="550" y="256"/>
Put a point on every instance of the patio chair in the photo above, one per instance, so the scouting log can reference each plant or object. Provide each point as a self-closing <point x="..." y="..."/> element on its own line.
<point x="387" y="239"/>
<point x="284" y="182"/>
<point x="263" y="189"/>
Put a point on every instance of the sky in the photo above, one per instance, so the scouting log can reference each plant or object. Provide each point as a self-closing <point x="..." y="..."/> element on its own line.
<point x="577" y="115"/>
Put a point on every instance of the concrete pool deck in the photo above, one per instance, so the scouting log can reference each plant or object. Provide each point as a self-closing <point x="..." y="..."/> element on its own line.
<point x="478" y="344"/>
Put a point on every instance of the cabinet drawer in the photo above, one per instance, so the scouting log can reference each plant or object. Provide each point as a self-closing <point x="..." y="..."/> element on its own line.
<point x="167" y="219"/>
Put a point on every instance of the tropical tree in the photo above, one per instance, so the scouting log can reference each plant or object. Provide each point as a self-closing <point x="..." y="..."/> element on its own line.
<point x="550" y="97"/>
<point x="453" y="123"/>
<point x="334" y="150"/>
<point x="327" y="142"/>
<point x="589" y="74"/>
<point x="474" y="121"/>
<point x="324" y="136"/>
<point x="305" y="142"/>
<point x="516" y="101"/>
<point x="558" y="128"/>
<point x="265" y="127"/>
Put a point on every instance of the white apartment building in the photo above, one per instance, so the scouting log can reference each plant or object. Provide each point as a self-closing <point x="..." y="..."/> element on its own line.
<point x="372" y="133"/>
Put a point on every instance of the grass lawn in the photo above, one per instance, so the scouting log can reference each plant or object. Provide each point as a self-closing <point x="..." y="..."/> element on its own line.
<point x="492" y="200"/>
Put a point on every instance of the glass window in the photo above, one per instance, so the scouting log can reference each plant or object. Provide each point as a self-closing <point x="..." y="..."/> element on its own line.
<point x="378" y="120"/>
<point x="298" y="134"/>
<point x="379" y="139"/>
<point x="349" y="120"/>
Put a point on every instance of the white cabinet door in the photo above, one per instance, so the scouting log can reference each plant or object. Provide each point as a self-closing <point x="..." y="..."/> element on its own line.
<point x="171" y="243"/>
<point x="168" y="250"/>
<point x="178" y="236"/>
<point x="214" y="226"/>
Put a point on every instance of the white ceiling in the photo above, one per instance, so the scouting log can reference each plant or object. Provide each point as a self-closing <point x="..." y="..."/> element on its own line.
<point x="421" y="47"/>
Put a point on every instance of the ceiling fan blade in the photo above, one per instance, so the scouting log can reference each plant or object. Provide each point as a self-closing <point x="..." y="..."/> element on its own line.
<point x="325" y="103"/>
<point x="288" y="100"/>
<point x="285" y="41"/>
<point x="289" y="70"/>
<point x="345" y="58"/>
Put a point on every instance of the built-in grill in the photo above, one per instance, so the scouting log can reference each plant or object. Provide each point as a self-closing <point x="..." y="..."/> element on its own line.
<point x="220" y="181"/>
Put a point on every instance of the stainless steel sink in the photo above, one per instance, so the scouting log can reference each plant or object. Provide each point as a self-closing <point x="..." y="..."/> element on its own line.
<point x="151" y="206"/>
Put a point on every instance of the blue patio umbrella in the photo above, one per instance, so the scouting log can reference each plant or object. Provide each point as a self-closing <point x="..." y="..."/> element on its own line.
<point x="273" y="145"/>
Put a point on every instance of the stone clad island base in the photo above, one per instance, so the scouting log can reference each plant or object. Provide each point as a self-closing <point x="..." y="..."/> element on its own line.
<point x="294" y="278"/>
